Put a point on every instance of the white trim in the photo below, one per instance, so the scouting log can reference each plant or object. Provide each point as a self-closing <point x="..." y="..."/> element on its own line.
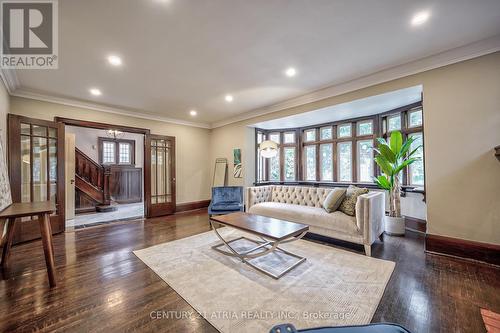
<point x="10" y="80"/>
<point x="449" y="57"/>
<point x="97" y="107"/>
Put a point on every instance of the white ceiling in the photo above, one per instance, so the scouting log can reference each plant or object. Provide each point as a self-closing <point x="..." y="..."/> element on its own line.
<point x="180" y="55"/>
<point x="357" y="108"/>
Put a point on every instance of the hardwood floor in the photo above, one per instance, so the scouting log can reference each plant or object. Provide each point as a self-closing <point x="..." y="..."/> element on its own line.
<point x="102" y="286"/>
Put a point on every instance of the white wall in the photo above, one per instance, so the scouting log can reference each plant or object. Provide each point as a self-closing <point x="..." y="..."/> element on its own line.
<point x="86" y="141"/>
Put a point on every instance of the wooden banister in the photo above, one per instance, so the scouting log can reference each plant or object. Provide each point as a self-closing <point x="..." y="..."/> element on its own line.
<point x="89" y="170"/>
<point x="92" y="178"/>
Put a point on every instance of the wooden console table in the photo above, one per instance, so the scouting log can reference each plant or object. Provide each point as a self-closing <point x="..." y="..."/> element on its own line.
<point x="40" y="209"/>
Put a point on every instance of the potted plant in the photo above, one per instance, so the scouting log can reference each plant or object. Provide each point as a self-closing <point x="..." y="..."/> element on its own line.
<point x="392" y="158"/>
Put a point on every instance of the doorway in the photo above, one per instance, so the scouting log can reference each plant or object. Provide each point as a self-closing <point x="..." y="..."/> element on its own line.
<point x="159" y="183"/>
<point x="38" y="169"/>
<point x="104" y="176"/>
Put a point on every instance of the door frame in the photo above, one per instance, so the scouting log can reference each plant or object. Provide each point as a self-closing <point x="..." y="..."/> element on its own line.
<point x="29" y="231"/>
<point x="167" y="208"/>
<point x="103" y="126"/>
<point x="146" y="176"/>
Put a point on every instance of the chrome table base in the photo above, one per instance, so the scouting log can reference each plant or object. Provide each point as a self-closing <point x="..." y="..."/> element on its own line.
<point x="265" y="246"/>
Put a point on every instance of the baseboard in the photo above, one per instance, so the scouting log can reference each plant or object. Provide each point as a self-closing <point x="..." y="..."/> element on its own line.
<point x="489" y="253"/>
<point x="415" y="224"/>
<point x="85" y="210"/>
<point x="186" y="206"/>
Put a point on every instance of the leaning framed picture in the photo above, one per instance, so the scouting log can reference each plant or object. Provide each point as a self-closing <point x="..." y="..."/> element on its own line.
<point x="5" y="196"/>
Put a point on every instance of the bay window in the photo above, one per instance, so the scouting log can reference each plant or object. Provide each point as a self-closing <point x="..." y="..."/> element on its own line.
<point x="342" y="151"/>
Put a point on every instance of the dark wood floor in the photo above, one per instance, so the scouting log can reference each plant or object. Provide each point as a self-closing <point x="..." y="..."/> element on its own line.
<point x="102" y="286"/>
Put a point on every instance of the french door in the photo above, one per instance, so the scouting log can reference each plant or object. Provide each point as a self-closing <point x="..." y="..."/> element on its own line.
<point x="159" y="172"/>
<point x="36" y="169"/>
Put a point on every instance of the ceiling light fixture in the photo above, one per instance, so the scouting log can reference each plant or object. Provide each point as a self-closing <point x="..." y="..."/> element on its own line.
<point x="229" y="98"/>
<point x="420" y="18"/>
<point x="193" y="113"/>
<point x="95" y="92"/>
<point x="268" y="149"/>
<point x="291" y="72"/>
<point x="115" y="60"/>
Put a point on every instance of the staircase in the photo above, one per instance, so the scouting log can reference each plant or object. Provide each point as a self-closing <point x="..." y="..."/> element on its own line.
<point x="91" y="185"/>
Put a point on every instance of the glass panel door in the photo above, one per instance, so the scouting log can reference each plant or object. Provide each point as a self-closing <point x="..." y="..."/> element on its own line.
<point x="35" y="152"/>
<point x="160" y="195"/>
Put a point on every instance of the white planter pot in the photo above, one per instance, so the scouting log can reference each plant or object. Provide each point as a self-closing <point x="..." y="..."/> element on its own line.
<point x="395" y="226"/>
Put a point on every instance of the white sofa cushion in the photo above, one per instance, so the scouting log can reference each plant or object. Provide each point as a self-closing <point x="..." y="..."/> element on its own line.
<point x="312" y="216"/>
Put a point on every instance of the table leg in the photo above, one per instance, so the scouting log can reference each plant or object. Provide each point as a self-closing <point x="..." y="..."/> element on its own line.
<point x="48" y="247"/>
<point x="8" y="240"/>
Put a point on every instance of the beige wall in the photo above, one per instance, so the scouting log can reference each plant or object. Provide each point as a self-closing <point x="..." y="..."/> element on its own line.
<point x="4" y="109"/>
<point x="462" y="125"/>
<point x="192" y="143"/>
<point x="87" y="142"/>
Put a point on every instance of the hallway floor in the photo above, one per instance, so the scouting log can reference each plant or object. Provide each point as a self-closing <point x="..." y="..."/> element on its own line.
<point x="124" y="212"/>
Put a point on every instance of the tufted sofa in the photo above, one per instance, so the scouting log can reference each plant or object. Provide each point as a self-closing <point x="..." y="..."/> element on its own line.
<point x="305" y="205"/>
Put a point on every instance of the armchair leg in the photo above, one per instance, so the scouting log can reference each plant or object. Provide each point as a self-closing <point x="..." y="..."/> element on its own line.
<point x="368" y="250"/>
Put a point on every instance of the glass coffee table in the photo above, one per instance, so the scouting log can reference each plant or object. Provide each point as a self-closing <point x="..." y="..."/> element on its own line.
<point x="270" y="233"/>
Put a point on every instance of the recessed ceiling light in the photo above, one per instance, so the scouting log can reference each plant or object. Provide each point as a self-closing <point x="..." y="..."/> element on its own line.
<point x="115" y="60"/>
<point x="420" y="18"/>
<point x="193" y="113"/>
<point x="291" y="72"/>
<point x="95" y="92"/>
<point x="229" y="98"/>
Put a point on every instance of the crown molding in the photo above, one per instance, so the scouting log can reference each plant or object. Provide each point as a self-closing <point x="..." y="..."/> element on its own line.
<point x="10" y="80"/>
<point x="466" y="52"/>
<point x="98" y="107"/>
<point x="445" y="58"/>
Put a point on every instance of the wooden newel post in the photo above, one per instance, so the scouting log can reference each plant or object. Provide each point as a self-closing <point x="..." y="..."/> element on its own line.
<point x="106" y="189"/>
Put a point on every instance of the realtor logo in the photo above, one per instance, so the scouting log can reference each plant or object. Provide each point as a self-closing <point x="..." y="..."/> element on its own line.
<point x="29" y="34"/>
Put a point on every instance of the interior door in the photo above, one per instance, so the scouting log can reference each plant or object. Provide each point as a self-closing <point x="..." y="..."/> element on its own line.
<point x="69" y="147"/>
<point x="36" y="170"/>
<point x="159" y="175"/>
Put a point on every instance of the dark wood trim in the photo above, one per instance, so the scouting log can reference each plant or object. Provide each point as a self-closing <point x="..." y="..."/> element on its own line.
<point x="402" y="109"/>
<point x="187" y="206"/>
<point x="404" y="189"/>
<point x="416" y="224"/>
<point x="104" y="126"/>
<point x="489" y="253"/>
<point x="165" y="208"/>
<point x="147" y="159"/>
<point x="117" y="142"/>
<point x="85" y="210"/>
<point x="28" y="230"/>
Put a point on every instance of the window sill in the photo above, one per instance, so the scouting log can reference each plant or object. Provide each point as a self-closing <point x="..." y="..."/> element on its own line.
<point x="411" y="189"/>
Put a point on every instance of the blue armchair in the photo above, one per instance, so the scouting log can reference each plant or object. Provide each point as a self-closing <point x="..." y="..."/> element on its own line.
<point x="225" y="200"/>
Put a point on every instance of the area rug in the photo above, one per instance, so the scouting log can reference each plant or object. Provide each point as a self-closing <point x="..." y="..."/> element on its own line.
<point x="331" y="288"/>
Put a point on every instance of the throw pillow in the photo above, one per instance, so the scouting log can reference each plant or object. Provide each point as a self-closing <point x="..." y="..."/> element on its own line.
<point x="334" y="199"/>
<point x="348" y="206"/>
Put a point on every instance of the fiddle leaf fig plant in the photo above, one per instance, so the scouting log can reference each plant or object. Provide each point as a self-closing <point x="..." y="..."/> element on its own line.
<point x="392" y="158"/>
